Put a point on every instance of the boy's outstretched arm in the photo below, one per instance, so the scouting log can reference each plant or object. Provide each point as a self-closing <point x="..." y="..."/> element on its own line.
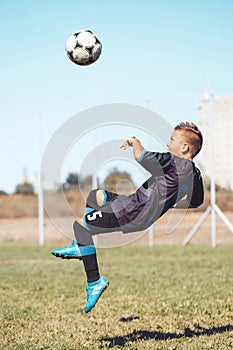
<point x="132" y="141"/>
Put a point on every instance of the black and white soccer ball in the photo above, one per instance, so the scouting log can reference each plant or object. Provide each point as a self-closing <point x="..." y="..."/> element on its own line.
<point x="83" y="47"/>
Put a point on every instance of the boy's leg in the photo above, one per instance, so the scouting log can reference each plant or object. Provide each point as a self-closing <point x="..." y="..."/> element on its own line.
<point x="97" y="219"/>
<point x="87" y="251"/>
<point x="96" y="283"/>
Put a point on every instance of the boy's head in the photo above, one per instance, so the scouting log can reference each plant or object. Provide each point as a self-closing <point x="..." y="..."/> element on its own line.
<point x="186" y="141"/>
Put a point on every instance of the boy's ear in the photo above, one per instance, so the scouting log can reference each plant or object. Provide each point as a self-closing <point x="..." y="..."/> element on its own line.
<point x="185" y="148"/>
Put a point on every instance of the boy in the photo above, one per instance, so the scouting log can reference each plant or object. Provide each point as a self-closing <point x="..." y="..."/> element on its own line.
<point x="175" y="182"/>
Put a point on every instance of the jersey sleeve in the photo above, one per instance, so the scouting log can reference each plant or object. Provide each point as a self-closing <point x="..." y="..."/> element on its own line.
<point x="196" y="197"/>
<point x="155" y="162"/>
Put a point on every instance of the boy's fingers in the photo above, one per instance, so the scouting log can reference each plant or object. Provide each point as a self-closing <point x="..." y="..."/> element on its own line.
<point x="124" y="146"/>
<point x="126" y="143"/>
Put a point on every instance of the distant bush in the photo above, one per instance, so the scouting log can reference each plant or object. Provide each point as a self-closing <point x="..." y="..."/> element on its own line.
<point x="72" y="180"/>
<point x="25" y="188"/>
<point x="218" y="188"/>
<point x="3" y="193"/>
<point x="75" y="181"/>
<point x="115" y="177"/>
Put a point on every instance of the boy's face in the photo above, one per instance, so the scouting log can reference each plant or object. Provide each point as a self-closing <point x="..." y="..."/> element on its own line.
<point x="177" y="145"/>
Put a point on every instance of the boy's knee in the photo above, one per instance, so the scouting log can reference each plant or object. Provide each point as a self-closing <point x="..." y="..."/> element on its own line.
<point x="99" y="197"/>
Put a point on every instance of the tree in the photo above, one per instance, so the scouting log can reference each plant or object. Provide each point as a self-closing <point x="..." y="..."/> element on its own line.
<point x="25" y="188"/>
<point x="86" y="181"/>
<point x="3" y="193"/>
<point x="114" y="177"/>
<point x="72" y="180"/>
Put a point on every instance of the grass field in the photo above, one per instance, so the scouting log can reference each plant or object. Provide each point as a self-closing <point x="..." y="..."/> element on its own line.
<point x="159" y="298"/>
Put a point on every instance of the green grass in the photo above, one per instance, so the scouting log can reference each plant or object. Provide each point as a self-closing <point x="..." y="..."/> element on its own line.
<point x="158" y="298"/>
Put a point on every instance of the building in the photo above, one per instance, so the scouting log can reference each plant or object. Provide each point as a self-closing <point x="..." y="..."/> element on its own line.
<point x="217" y="113"/>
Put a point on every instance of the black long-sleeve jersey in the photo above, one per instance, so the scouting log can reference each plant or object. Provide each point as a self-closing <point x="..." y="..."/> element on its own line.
<point x="172" y="178"/>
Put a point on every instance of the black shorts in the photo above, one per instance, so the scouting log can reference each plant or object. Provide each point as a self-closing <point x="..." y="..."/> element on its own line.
<point x="100" y="218"/>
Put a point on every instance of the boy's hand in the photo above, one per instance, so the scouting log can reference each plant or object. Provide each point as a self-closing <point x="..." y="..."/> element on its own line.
<point x="132" y="141"/>
<point x="128" y="142"/>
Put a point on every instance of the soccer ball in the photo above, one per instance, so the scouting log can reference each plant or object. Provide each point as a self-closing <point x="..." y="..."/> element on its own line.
<point x="83" y="47"/>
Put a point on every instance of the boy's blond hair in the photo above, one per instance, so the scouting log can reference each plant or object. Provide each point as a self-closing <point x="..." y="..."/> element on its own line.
<point x="192" y="135"/>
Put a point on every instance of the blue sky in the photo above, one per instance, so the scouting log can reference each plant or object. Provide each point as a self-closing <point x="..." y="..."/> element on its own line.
<point x="159" y="54"/>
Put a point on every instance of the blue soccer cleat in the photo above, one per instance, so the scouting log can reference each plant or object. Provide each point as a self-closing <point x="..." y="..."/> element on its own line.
<point x="70" y="252"/>
<point x="94" y="291"/>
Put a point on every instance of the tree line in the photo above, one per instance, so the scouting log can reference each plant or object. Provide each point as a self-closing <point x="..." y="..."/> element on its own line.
<point x="74" y="181"/>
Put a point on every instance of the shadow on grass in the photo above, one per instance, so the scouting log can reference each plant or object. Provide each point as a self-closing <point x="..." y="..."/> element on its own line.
<point x="147" y="335"/>
<point x="129" y="319"/>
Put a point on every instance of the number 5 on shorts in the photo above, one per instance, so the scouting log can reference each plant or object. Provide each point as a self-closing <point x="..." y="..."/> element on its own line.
<point x="93" y="216"/>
